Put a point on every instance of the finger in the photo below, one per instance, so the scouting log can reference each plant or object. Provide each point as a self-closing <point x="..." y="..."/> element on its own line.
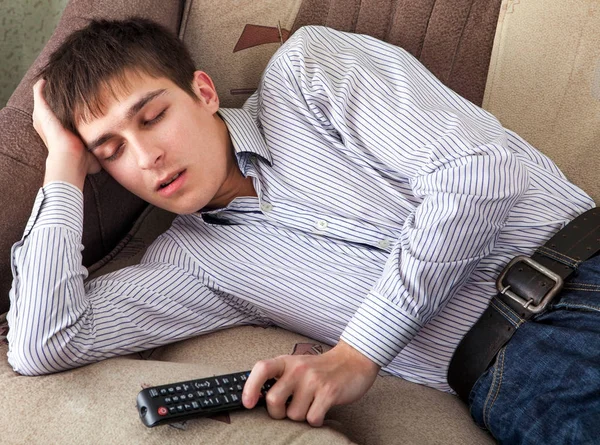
<point x="300" y="403"/>
<point x="38" y="93"/>
<point x="278" y="396"/>
<point x="261" y="372"/>
<point x="319" y="407"/>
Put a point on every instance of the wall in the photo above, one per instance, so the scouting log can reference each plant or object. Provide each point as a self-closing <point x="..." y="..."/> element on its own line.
<point x="25" y="26"/>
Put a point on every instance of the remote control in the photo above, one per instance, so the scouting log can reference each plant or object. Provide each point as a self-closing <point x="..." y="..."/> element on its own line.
<point x="193" y="398"/>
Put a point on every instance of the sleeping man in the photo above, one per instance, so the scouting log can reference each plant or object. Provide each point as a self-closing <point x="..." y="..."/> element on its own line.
<point x="354" y="199"/>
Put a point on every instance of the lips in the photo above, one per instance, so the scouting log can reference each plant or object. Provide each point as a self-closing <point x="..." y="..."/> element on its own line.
<point x="168" y="185"/>
<point x="168" y="179"/>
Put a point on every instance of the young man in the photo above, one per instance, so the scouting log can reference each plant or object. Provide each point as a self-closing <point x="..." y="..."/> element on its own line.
<point x="353" y="199"/>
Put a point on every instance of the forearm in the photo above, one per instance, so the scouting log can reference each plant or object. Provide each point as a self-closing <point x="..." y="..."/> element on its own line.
<point x="48" y="293"/>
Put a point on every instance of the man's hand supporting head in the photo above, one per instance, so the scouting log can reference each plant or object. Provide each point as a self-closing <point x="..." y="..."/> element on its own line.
<point x="68" y="159"/>
<point x="316" y="383"/>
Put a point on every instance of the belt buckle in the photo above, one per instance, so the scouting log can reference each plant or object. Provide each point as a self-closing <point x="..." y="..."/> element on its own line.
<point x="527" y="304"/>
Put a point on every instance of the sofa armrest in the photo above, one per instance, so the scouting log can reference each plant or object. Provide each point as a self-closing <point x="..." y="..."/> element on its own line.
<point x="110" y="210"/>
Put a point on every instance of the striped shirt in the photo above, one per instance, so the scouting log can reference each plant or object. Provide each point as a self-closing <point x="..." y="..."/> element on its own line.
<point x="387" y="205"/>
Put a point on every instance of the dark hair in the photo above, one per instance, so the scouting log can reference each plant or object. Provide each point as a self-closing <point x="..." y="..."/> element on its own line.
<point x="99" y="59"/>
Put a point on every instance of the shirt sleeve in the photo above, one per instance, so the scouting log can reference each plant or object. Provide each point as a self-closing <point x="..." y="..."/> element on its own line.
<point x="387" y="107"/>
<point x="58" y="322"/>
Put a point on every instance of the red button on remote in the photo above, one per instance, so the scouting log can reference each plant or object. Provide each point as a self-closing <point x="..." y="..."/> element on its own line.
<point x="163" y="411"/>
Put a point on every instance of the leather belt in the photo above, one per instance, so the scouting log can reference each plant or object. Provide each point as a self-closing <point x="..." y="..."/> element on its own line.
<point x="525" y="288"/>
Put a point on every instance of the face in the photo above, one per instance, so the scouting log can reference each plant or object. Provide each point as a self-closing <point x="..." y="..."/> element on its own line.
<point x="162" y="145"/>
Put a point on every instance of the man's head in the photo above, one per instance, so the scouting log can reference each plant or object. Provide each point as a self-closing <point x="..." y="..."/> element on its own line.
<point x="129" y="89"/>
<point x="94" y="63"/>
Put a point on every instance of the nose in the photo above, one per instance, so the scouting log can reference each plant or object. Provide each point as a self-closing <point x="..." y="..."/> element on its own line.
<point x="148" y="155"/>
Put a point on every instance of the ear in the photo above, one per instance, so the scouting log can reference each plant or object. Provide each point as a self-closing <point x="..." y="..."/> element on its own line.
<point x="205" y="90"/>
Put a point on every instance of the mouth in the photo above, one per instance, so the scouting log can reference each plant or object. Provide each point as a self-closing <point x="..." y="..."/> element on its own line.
<point x="169" y="186"/>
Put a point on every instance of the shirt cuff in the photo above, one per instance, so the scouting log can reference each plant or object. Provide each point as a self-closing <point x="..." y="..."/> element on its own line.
<point x="57" y="204"/>
<point x="380" y="330"/>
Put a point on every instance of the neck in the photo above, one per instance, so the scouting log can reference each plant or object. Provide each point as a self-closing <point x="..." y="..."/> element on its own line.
<point x="235" y="184"/>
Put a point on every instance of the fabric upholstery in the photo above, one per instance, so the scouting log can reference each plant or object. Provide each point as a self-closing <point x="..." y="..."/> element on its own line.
<point x="453" y="38"/>
<point x="96" y="404"/>
<point x="544" y="82"/>
<point x="109" y="210"/>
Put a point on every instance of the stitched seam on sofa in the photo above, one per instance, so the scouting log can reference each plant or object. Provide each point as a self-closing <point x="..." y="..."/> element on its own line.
<point x="185" y="17"/>
<point x="426" y="30"/>
<point x="460" y="40"/>
<point x="391" y="20"/>
<point x="95" y="193"/>
<point x="358" y="6"/>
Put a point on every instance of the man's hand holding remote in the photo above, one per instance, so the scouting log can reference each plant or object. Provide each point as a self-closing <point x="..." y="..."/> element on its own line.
<point x="68" y="159"/>
<point x="316" y="383"/>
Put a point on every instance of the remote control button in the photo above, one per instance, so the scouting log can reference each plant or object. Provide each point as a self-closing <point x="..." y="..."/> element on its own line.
<point x="153" y="393"/>
<point x="210" y="392"/>
<point x="190" y="396"/>
<point x="243" y="377"/>
<point x="202" y="385"/>
<point x="225" y="380"/>
<point x="200" y="393"/>
<point x="162" y="411"/>
<point x="226" y="399"/>
<point x="175" y="399"/>
<point x="234" y="397"/>
<point x="220" y="390"/>
<point x="239" y="387"/>
<point x="182" y="397"/>
<point x="172" y="410"/>
<point x="178" y="388"/>
<point x="180" y="408"/>
<point x="163" y="392"/>
<point x="217" y="401"/>
<point x="171" y="390"/>
<point x="185" y="387"/>
<point x="168" y="400"/>
<point x="217" y="382"/>
<point x="195" y="405"/>
<point x="187" y="407"/>
<point x="234" y="379"/>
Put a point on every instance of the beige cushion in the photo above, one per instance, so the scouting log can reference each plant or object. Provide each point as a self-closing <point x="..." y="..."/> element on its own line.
<point x="96" y="403"/>
<point x="544" y="82"/>
<point x="234" y="39"/>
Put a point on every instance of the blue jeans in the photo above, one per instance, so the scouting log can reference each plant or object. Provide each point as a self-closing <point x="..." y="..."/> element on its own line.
<point x="544" y="386"/>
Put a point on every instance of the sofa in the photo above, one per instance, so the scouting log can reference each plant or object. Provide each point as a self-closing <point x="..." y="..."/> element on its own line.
<point x="534" y="64"/>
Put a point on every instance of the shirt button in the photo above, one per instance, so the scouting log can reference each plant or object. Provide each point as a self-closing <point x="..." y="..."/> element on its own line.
<point x="266" y="207"/>
<point x="322" y="224"/>
<point x="384" y="243"/>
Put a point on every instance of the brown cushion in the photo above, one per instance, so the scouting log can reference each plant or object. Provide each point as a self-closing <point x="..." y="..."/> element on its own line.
<point x="109" y="209"/>
<point x="452" y="38"/>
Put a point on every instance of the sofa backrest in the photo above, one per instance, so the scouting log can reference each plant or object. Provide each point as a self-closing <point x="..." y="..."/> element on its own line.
<point x="232" y="40"/>
<point x="544" y="82"/>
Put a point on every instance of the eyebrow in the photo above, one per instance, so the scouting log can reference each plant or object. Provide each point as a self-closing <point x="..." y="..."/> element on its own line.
<point x="133" y="110"/>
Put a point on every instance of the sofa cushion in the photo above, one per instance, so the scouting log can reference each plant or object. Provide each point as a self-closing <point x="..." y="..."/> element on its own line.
<point x="96" y="403"/>
<point x="544" y="82"/>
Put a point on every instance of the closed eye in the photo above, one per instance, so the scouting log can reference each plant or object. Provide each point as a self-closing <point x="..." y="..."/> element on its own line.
<point x="158" y="118"/>
<point x="116" y="154"/>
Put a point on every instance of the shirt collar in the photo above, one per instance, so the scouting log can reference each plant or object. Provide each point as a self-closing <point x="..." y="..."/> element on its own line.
<point x="245" y="135"/>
